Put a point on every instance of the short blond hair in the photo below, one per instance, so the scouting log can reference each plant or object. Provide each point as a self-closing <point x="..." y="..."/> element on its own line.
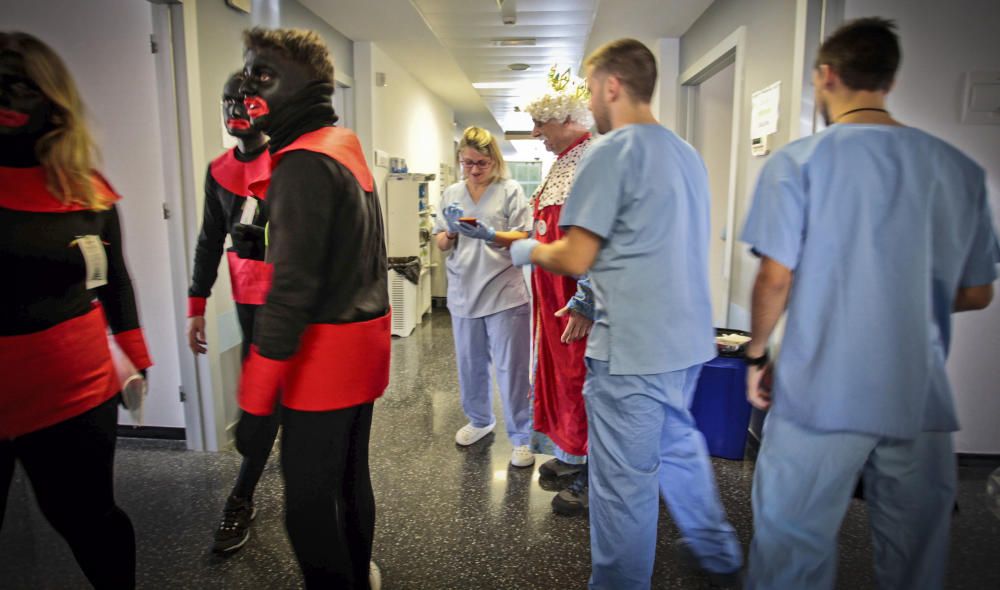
<point x="631" y="62"/>
<point x="483" y="142"/>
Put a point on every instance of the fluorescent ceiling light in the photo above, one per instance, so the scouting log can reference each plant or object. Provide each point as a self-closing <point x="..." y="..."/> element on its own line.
<point x="514" y="42"/>
<point x="493" y="85"/>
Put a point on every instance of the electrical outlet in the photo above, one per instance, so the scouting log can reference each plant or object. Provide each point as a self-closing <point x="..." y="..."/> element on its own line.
<point x="381" y="158"/>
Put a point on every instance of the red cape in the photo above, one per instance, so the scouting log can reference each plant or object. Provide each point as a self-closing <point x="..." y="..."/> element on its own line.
<point x="337" y="143"/>
<point x="236" y="176"/>
<point x="24" y="189"/>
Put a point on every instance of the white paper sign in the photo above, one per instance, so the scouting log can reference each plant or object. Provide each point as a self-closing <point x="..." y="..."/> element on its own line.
<point x="764" y="111"/>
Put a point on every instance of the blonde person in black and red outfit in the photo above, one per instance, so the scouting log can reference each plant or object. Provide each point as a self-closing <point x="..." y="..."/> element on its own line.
<point x="231" y="211"/>
<point x="322" y="338"/>
<point x="66" y="283"/>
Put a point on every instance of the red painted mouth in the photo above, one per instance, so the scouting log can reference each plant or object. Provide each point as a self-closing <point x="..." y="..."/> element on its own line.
<point x="10" y="118"/>
<point x="256" y="106"/>
<point x="237" y="123"/>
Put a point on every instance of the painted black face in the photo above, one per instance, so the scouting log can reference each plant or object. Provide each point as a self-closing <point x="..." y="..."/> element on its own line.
<point x="24" y="109"/>
<point x="234" y="112"/>
<point x="271" y="80"/>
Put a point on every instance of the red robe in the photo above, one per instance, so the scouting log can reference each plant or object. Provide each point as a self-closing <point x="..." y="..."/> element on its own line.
<point x="559" y="411"/>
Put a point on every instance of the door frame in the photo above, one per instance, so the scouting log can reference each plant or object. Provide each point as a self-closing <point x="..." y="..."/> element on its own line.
<point x="731" y="51"/>
<point x="180" y="181"/>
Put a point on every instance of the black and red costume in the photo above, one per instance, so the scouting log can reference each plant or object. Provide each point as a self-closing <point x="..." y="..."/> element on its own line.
<point x="54" y="351"/>
<point x="65" y="284"/>
<point x="58" y="405"/>
<point x="227" y="190"/>
<point x="322" y="338"/>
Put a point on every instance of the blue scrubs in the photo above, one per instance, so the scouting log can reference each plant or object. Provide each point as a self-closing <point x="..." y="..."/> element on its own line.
<point x="490" y="311"/>
<point x="645" y="193"/>
<point x="881" y="226"/>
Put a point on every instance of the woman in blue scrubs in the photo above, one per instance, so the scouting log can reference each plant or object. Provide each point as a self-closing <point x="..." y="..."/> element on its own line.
<point x="487" y="296"/>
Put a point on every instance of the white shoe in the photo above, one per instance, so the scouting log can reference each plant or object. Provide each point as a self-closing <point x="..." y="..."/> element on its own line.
<point x="374" y="576"/>
<point x="469" y="434"/>
<point x="522" y="457"/>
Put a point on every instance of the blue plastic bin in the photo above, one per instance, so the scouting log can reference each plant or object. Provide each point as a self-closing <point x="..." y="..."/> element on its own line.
<point x="720" y="407"/>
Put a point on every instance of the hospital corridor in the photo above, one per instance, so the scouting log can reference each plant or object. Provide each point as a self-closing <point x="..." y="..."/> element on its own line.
<point x="500" y="294"/>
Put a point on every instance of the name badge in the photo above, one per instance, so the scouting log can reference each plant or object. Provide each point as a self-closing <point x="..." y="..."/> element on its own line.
<point x="96" y="260"/>
<point x="249" y="211"/>
<point x="541" y="227"/>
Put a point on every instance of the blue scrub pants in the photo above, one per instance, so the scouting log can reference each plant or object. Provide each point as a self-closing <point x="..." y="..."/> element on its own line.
<point x="804" y="482"/>
<point x="503" y="340"/>
<point x="643" y="442"/>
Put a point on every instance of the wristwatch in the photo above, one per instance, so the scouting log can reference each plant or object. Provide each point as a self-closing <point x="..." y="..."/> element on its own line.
<point x="760" y="361"/>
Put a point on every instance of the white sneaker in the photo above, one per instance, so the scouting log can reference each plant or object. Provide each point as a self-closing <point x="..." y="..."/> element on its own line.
<point x="374" y="576"/>
<point x="522" y="457"/>
<point x="469" y="434"/>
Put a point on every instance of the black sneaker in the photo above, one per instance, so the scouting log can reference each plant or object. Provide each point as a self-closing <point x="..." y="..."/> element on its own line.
<point x="234" y="530"/>
<point x="556" y="468"/>
<point x="730" y="580"/>
<point x="574" y="500"/>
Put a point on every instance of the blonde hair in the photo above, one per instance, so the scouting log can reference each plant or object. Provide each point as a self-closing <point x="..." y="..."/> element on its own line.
<point x="483" y="142"/>
<point x="67" y="152"/>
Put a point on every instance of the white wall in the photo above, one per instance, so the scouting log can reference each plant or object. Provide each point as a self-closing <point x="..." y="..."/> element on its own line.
<point x="770" y="26"/>
<point x="122" y="103"/>
<point x="940" y="41"/>
<point x="409" y="121"/>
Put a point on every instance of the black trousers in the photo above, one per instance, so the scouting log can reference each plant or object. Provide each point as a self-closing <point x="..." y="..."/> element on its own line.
<point x="71" y="468"/>
<point x="329" y="503"/>
<point x="255" y="459"/>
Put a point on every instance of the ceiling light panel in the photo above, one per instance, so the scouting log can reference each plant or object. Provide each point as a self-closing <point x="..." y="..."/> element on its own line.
<point x="547" y="32"/>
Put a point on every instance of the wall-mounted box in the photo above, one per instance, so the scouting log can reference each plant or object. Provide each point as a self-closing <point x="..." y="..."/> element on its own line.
<point x="981" y="98"/>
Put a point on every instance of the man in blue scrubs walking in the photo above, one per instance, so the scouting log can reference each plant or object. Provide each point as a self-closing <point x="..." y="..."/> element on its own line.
<point x="638" y="221"/>
<point x="873" y="234"/>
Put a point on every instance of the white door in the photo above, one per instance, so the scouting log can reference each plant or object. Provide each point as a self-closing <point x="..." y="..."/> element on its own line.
<point x="106" y="45"/>
<point x="710" y="133"/>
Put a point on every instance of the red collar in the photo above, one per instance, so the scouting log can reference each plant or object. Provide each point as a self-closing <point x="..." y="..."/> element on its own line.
<point x="23" y="189"/>
<point x="337" y="143"/>
<point x="236" y="176"/>
<point x="578" y="141"/>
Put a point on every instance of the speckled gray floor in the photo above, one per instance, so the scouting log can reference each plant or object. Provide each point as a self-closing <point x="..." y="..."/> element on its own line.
<point x="447" y="517"/>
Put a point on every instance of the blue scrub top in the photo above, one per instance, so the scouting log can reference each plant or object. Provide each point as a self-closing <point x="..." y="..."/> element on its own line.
<point x="645" y="192"/>
<point x="482" y="280"/>
<point x="881" y="225"/>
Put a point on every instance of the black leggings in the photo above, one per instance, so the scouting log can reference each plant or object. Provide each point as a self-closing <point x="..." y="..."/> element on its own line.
<point x="255" y="460"/>
<point x="329" y="503"/>
<point x="71" y="469"/>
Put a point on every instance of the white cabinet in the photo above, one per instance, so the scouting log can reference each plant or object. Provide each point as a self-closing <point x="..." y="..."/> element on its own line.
<point x="408" y="234"/>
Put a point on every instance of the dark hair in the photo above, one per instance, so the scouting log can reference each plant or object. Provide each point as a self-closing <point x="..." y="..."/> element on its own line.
<point x="864" y="53"/>
<point x="631" y="62"/>
<point x="304" y="47"/>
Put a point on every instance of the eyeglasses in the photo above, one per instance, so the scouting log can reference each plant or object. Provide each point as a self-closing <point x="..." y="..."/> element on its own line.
<point x="481" y="164"/>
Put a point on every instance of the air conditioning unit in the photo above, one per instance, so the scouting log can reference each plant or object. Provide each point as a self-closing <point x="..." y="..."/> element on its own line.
<point x="403" y="297"/>
<point x="508" y="11"/>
